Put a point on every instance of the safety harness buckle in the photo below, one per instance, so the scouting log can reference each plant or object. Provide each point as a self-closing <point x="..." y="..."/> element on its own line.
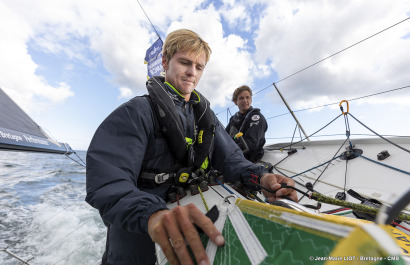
<point x="161" y="177"/>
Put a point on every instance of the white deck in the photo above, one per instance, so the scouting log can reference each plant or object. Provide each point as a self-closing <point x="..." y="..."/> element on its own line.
<point x="365" y="177"/>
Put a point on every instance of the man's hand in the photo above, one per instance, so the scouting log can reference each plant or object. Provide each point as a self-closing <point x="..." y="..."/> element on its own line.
<point x="272" y="182"/>
<point x="170" y="229"/>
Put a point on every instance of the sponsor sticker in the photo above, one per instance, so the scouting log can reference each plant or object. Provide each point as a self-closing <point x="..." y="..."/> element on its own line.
<point x="255" y="117"/>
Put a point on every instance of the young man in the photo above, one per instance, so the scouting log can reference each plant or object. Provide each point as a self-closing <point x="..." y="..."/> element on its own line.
<point x="149" y="135"/>
<point x="250" y="122"/>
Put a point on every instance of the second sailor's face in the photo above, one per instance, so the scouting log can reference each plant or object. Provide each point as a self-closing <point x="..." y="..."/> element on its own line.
<point x="184" y="70"/>
<point x="244" y="101"/>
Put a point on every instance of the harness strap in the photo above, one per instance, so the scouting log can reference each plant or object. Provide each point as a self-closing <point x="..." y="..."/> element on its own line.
<point x="157" y="178"/>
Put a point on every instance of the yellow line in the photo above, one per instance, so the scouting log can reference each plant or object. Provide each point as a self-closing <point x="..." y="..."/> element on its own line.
<point x="203" y="199"/>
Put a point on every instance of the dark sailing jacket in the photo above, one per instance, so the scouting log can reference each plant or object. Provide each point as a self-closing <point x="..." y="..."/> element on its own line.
<point x="126" y="143"/>
<point x="253" y="125"/>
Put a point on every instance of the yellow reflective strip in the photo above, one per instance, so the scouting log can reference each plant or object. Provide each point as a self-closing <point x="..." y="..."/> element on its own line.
<point x="199" y="98"/>
<point x="205" y="164"/>
<point x="188" y="140"/>
<point x="174" y="89"/>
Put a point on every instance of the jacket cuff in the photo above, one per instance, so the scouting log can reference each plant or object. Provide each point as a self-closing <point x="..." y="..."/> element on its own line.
<point x="149" y="211"/>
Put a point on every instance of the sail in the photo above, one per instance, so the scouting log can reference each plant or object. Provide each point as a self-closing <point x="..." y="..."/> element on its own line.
<point x="259" y="233"/>
<point x="19" y="132"/>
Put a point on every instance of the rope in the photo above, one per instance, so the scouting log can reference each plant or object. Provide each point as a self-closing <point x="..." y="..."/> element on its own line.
<point x="293" y="136"/>
<point x="315" y="168"/>
<point x="387" y="140"/>
<point x="35" y="229"/>
<point x="223" y="186"/>
<point x="58" y="241"/>
<point x="283" y="185"/>
<point x="149" y="19"/>
<point x="309" y="135"/>
<point x="340" y="134"/>
<point x="330" y="104"/>
<point x="336" y="53"/>
<point x="83" y="165"/>
<point x="336" y="210"/>
<point x="354" y="206"/>
<point x="328" y="163"/>
<point x="344" y="187"/>
<point x="385" y="165"/>
<point x="203" y="199"/>
<point x="334" y="157"/>
<point x="399" y="225"/>
<point x="70" y="253"/>
<point x="79" y="157"/>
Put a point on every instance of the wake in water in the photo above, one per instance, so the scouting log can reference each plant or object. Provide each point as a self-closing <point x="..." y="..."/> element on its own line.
<point x="43" y="216"/>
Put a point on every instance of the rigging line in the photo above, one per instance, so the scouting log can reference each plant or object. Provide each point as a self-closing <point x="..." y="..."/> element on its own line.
<point x="225" y="109"/>
<point x="203" y="199"/>
<point x="356" y="206"/>
<point x="283" y="185"/>
<point x="387" y="140"/>
<point x="223" y="186"/>
<point x="276" y="116"/>
<point x="337" y="103"/>
<point x="280" y="161"/>
<point x="75" y="250"/>
<point x="312" y="133"/>
<point x="58" y="241"/>
<point x="341" y="51"/>
<point x="255" y="93"/>
<point x="293" y="136"/>
<point x="300" y="134"/>
<point x="399" y="225"/>
<point x="341" y="134"/>
<point x="334" y="157"/>
<point x="149" y="19"/>
<point x="76" y="161"/>
<point x="37" y="226"/>
<point x="328" y="163"/>
<point x="334" y="54"/>
<point x="79" y="157"/>
<point x="216" y="191"/>
<point x="361" y="97"/>
<point x="316" y="167"/>
<point x="385" y="165"/>
<point x="344" y="188"/>
<point x="297" y="182"/>
<point x="375" y="94"/>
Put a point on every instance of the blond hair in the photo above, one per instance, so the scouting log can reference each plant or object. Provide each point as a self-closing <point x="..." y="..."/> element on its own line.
<point x="240" y="90"/>
<point x="185" y="40"/>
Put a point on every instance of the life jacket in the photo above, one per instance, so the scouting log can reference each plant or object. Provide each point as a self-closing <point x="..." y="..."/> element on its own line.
<point x="237" y="126"/>
<point x="192" y="155"/>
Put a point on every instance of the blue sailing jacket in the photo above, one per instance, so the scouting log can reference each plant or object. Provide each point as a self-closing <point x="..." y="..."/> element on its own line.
<point x="126" y="143"/>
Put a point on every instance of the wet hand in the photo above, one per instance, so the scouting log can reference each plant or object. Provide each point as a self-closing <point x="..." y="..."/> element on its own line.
<point x="273" y="182"/>
<point x="170" y="229"/>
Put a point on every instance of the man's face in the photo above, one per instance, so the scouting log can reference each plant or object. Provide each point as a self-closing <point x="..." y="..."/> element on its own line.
<point x="183" y="71"/>
<point x="244" y="101"/>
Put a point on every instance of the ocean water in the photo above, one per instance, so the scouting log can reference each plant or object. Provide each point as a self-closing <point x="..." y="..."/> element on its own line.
<point x="43" y="216"/>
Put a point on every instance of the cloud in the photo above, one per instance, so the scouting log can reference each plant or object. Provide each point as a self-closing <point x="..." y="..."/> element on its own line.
<point x="295" y="34"/>
<point x="125" y="92"/>
<point x="252" y="41"/>
<point x="18" y="70"/>
<point x="230" y="65"/>
<point x="237" y="16"/>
